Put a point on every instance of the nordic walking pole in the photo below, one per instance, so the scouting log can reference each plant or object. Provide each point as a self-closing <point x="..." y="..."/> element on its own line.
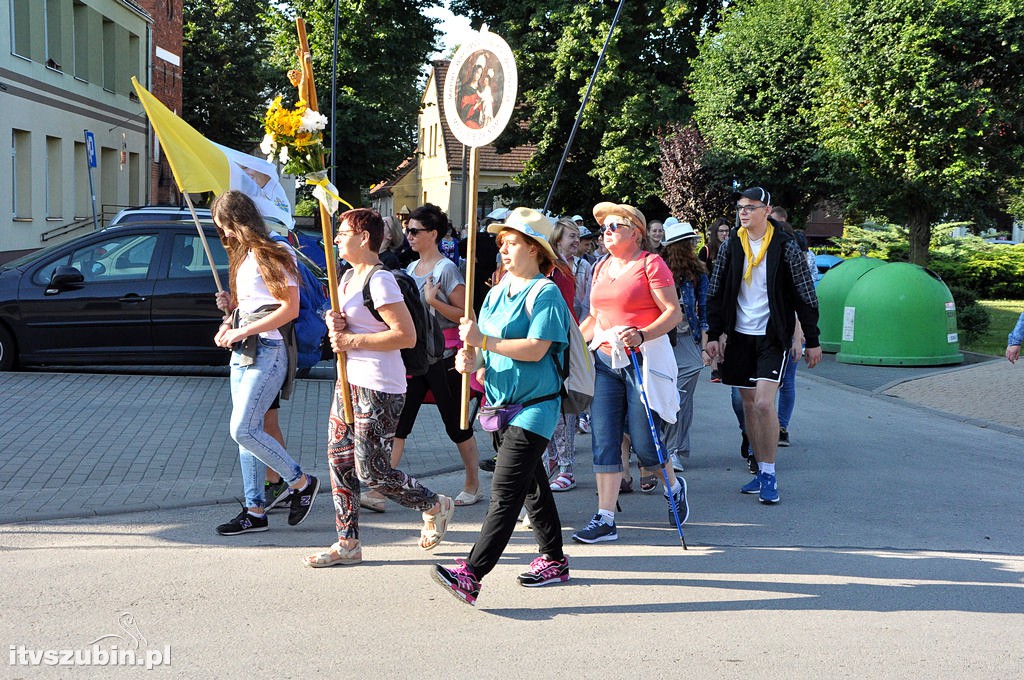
<point x="657" y="442"/>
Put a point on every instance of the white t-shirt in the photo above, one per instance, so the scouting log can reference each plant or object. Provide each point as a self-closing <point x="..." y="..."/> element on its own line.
<point x="752" y="302"/>
<point x="253" y="292"/>
<point x="380" y="370"/>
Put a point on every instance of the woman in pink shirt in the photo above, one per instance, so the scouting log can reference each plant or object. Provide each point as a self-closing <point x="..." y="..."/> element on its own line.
<point x="633" y="303"/>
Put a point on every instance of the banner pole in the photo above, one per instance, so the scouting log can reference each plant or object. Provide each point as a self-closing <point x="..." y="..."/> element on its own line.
<point x="202" y="237"/>
<point x="470" y="273"/>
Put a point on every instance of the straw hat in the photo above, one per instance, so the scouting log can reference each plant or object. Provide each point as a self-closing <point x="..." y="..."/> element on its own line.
<point x="628" y="212"/>
<point x="530" y="223"/>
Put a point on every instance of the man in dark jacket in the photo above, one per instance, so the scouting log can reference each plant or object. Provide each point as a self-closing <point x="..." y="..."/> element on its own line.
<point x="760" y="287"/>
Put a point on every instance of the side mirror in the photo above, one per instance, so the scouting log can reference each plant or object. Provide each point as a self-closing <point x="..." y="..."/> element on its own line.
<point x="64" y="278"/>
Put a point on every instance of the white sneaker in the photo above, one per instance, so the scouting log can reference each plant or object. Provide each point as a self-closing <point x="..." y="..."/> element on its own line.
<point x="524" y="517"/>
<point x="676" y="465"/>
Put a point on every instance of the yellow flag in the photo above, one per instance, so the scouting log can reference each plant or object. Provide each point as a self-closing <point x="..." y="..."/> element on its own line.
<point x="201" y="165"/>
<point x="197" y="163"/>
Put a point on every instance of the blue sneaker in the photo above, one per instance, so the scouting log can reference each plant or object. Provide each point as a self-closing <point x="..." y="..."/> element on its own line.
<point x="769" y="489"/>
<point x="753" y="486"/>
<point x="682" y="506"/>
<point x="596" y="531"/>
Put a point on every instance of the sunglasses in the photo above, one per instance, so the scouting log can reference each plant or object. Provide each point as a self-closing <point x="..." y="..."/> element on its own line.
<point x="615" y="226"/>
<point x="413" y="231"/>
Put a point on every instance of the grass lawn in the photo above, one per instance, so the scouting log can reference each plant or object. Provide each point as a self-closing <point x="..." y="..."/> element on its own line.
<point x="1003" y="316"/>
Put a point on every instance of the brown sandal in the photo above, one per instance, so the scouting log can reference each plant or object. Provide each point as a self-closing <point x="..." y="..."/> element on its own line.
<point x="626" y="485"/>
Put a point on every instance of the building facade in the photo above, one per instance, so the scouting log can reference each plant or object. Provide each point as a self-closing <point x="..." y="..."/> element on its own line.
<point x="435" y="173"/>
<point x="65" y="69"/>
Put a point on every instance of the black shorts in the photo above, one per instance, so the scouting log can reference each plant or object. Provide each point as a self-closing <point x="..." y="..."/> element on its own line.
<point x="750" y="358"/>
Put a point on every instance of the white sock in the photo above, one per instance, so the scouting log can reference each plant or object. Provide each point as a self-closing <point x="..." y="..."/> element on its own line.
<point x="676" y="488"/>
<point x="767" y="468"/>
<point x="607" y="515"/>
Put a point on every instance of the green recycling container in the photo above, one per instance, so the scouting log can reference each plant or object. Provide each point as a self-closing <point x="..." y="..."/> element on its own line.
<point x="832" y="291"/>
<point x="899" y="314"/>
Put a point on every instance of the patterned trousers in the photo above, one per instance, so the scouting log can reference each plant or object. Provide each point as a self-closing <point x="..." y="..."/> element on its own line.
<point x="362" y="454"/>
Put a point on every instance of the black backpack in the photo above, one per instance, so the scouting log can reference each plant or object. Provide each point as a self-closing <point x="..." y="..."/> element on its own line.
<point x="417" y="357"/>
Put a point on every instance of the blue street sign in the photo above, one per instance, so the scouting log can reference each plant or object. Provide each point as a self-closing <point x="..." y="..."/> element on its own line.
<point x="90" y="148"/>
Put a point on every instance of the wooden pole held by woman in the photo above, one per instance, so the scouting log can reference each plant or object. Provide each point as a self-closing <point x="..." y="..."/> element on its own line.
<point x="307" y="92"/>
<point x="470" y="272"/>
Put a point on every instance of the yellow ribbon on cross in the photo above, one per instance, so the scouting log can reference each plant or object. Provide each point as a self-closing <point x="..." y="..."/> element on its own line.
<point x="325" y="192"/>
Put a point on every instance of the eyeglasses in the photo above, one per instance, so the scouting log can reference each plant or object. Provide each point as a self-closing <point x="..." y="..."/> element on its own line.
<point x="413" y="231"/>
<point x="342" y="232"/>
<point x="740" y="208"/>
<point x="615" y="226"/>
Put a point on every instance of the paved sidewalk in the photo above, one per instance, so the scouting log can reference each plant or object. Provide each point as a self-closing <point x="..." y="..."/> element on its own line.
<point x="81" y="444"/>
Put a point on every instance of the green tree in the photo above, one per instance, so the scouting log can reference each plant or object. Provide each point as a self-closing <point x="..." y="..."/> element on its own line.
<point x="753" y="85"/>
<point x="919" y="107"/>
<point x="225" y="75"/>
<point x="640" y="89"/>
<point x="382" y="48"/>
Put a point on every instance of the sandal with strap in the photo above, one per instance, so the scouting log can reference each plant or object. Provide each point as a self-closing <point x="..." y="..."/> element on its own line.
<point x="563" y="482"/>
<point x="436" y="526"/>
<point x="333" y="556"/>
<point x="648" y="483"/>
<point x="626" y="485"/>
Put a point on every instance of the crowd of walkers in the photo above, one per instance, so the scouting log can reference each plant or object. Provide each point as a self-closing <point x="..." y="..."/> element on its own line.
<point x="653" y="309"/>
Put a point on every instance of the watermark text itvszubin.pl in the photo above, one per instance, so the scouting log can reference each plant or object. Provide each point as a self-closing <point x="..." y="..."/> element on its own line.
<point x="19" y="655"/>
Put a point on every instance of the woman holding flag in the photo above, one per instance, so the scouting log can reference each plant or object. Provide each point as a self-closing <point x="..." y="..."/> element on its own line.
<point x="264" y="282"/>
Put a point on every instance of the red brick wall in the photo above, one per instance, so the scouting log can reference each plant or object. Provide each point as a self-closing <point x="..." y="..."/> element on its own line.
<point x="165" y="84"/>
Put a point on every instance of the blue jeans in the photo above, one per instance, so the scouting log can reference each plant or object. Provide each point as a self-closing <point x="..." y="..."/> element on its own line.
<point x="253" y="389"/>
<point x="787" y="392"/>
<point x="677" y="434"/>
<point x="617" y="408"/>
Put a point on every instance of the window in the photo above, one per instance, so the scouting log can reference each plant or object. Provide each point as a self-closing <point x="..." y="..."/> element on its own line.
<point x="188" y="259"/>
<point x="54" y="34"/>
<point x="21" y="174"/>
<point x="83" y="199"/>
<point x="54" y="178"/>
<point x="23" y="16"/>
<point x="109" y="56"/>
<point x="80" y="18"/>
<point x="121" y="258"/>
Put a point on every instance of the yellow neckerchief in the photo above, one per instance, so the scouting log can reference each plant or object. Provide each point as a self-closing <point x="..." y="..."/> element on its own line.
<point x="753" y="261"/>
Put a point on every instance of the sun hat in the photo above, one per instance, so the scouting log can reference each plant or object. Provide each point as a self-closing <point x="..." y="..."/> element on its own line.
<point x="530" y="223"/>
<point x="677" y="231"/>
<point x="631" y="214"/>
<point x="577" y="218"/>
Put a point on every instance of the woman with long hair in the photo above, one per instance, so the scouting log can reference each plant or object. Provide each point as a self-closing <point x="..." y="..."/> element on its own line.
<point x="523" y="326"/>
<point x="372" y="344"/>
<point x="633" y="306"/>
<point x="443" y="291"/>
<point x="691" y="280"/>
<point x="264" y="280"/>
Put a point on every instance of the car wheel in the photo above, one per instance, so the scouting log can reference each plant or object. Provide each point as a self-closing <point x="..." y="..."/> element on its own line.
<point x="8" y="353"/>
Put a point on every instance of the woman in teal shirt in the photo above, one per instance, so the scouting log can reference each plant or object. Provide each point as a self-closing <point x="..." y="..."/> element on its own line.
<point x="524" y="325"/>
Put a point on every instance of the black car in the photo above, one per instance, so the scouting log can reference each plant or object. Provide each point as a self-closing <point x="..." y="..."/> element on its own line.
<point x="133" y="294"/>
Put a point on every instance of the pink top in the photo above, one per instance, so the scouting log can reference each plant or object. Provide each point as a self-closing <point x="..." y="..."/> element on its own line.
<point x="626" y="300"/>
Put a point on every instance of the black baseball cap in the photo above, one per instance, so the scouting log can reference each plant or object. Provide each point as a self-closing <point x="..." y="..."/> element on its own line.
<point x="757" y="194"/>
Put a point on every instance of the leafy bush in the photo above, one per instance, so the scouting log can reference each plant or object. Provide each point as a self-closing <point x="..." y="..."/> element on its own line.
<point x="307" y="207"/>
<point x="973" y="322"/>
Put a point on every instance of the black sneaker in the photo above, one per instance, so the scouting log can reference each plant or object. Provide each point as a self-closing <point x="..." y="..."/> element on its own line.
<point x="682" y="506"/>
<point x="488" y="464"/>
<point x="274" y="493"/>
<point x="543" y="571"/>
<point x="752" y="465"/>
<point x="596" y="532"/>
<point x="243" y="524"/>
<point x="302" y="501"/>
<point x="783" y="437"/>
<point x="745" y="446"/>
